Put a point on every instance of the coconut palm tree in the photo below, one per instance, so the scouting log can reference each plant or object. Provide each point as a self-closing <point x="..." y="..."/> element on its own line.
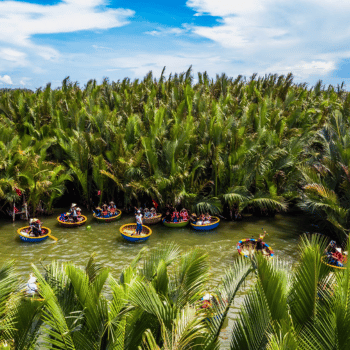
<point x="302" y="308"/>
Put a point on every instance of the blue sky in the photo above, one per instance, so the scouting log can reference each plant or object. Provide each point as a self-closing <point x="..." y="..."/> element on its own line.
<point x="45" y="41"/>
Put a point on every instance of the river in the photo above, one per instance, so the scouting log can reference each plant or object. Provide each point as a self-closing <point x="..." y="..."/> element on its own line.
<point x="77" y="244"/>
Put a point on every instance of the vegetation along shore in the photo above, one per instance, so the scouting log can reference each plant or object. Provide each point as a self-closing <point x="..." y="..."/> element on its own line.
<point x="260" y="145"/>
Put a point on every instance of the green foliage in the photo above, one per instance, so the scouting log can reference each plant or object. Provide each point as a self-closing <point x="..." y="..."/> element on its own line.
<point x="261" y="144"/>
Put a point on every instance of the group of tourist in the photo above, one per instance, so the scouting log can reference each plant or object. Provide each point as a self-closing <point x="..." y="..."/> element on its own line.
<point x="203" y="219"/>
<point x="334" y="254"/>
<point x="106" y="211"/>
<point x="149" y="213"/>
<point x="35" y="228"/>
<point x="73" y="215"/>
<point x="172" y="215"/>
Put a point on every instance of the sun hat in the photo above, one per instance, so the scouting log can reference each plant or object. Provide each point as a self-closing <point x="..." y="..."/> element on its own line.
<point x="73" y="205"/>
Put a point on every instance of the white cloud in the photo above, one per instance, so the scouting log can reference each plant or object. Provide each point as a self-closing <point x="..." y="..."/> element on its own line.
<point x="24" y="81"/>
<point x="167" y="31"/>
<point x="307" y="37"/>
<point x="19" y="21"/>
<point x="13" y="56"/>
<point x="174" y="63"/>
<point x="305" y="69"/>
<point x="6" y="79"/>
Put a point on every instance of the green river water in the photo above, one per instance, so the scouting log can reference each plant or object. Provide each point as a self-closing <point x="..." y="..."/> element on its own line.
<point x="77" y="244"/>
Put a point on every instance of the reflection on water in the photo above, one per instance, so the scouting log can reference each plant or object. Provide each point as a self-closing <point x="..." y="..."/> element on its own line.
<point x="77" y="244"/>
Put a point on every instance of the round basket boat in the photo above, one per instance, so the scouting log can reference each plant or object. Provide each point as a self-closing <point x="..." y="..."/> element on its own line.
<point x="128" y="232"/>
<point x="206" y="227"/>
<point x="115" y="217"/>
<point x="206" y="304"/>
<point x="81" y="221"/>
<point x="245" y="248"/>
<point x="24" y="234"/>
<point x="326" y="262"/>
<point x="176" y="224"/>
<point x="153" y="220"/>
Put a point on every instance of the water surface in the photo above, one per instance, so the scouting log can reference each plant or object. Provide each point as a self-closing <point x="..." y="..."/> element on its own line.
<point x="77" y="244"/>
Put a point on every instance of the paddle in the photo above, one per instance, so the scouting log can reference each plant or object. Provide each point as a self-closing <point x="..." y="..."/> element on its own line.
<point x="54" y="238"/>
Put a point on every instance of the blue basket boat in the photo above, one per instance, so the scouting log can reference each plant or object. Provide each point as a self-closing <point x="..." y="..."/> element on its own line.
<point x="246" y="247"/>
<point x="23" y="233"/>
<point x="81" y="221"/>
<point x="206" y="227"/>
<point x="128" y="233"/>
<point x="112" y="218"/>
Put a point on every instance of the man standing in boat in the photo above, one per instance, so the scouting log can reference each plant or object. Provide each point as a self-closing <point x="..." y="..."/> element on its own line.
<point x="138" y="222"/>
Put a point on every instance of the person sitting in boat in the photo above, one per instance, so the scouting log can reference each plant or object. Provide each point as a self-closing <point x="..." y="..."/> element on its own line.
<point x="259" y="243"/>
<point x="167" y="216"/>
<point x="184" y="214"/>
<point x="98" y="212"/>
<point x="153" y="212"/>
<point x="147" y="213"/>
<point x="338" y="256"/>
<point x="112" y="208"/>
<point x="35" y="227"/>
<point x="138" y="222"/>
<point x="335" y="256"/>
<point x="208" y="301"/>
<point x="105" y="210"/>
<point x="175" y="217"/>
<point x="72" y="207"/>
<point x="193" y="218"/>
<point x="201" y="220"/>
<point x="32" y="287"/>
<point x="78" y="211"/>
<point x="207" y="219"/>
<point x="331" y="248"/>
<point x="74" y="214"/>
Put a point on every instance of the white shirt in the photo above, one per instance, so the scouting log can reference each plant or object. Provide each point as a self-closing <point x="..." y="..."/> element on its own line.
<point x="139" y="218"/>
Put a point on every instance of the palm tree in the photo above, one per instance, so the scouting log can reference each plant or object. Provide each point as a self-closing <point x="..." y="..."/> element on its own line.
<point x="303" y="308"/>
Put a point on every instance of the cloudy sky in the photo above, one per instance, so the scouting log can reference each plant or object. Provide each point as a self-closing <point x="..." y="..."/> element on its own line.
<point x="45" y="41"/>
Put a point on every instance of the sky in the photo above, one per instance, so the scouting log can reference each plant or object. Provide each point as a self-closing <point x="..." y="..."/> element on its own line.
<point x="46" y="41"/>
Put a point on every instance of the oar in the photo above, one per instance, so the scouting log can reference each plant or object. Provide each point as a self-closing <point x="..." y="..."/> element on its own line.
<point x="54" y="238"/>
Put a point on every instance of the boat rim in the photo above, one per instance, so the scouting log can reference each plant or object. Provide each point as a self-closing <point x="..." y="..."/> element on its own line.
<point x="212" y="223"/>
<point x="72" y="223"/>
<point x="46" y="228"/>
<point x="240" y="242"/>
<point x="333" y="266"/>
<point x="134" y="236"/>
<point x="175" y="223"/>
<point x="111" y="217"/>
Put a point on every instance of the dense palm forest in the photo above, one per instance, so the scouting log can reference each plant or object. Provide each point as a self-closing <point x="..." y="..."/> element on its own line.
<point x="260" y="145"/>
<point x="154" y="304"/>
